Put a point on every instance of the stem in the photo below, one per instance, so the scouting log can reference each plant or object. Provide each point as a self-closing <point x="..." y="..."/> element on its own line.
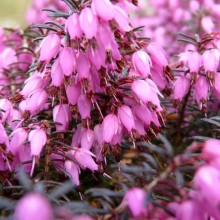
<point x="181" y="119"/>
<point x="47" y="163"/>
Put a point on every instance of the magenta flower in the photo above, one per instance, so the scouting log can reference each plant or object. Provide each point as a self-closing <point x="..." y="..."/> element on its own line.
<point x="61" y="116"/>
<point x="73" y="169"/>
<point x="84" y="158"/>
<point x="57" y="75"/>
<point x="88" y="19"/>
<point x="82" y="66"/>
<point x="87" y="139"/>
<point x="142" y="63"/>
<point x="36" y="101"/>
<point x="181" y="87"/>
<point x="38" y="139"/>
<point x="84" y="106"/>
<point x="135" y="200"/>
<point x="17" y="139"/>
<point x="110" y="126"/>
<point x="49" y="47"/>
<point x="72" y="26"/>
<point x="103" y="9"/>
<point x="73" y="92"/>
<point x="67" y="59"/>
<point x="126" y="117"/>
<point x="33" y="206"/>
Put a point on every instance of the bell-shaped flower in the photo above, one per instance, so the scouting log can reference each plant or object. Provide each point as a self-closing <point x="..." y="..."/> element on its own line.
<point x="72" y="26"/>
<point x="33" y="206"/>
<point x="17" y="139"/>
<point x="84" y="106"/>
<point x="135" y="200"/>
<point x="38" y="139"/>
<point x="103" y="9"/>
<point x="126" y="117"/>
<point x="210" y="60"/>
<point x="14" y="118"/>
<point x="73" y="92"/>
<point x="110" y="127"/>
<point x="97" y="56"/>
<point x="31" y="84"/>
<point x="142" y="63"/>
<point x="190" y="210"/>
<point x="143" y="113"/>
<point x="194" y="61"/>
<point x="207" y="182"/>
<point x="201" y="89"/>
<point x="88" y="19"/>
<point x="84" y="158"/>
<point x="87" y="138"/>
<point x="76" y="139"/>
<point x="57" y="75"/>
<point x="181" y="87"/>
<point x="49" y="47"/>
<point x="67" y="59"/>
<point x="74" y="170"/>
<point x="121" y="18"/>
<point x="82" y="66"/>
<point x="157" y="54"/>
<point x="36" y="101"/>
<point x="61" y="116"/>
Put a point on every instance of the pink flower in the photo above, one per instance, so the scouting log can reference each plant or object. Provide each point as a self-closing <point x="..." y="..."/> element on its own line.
<point x="103" y="8"/>
<point x="121" y="18"/>
<point x="33" y="206"/>
<point x="87" y="139"/>
<point x="36" y="101"/>
<point x="73" y="92"/>
<point x="190" y="210"/>
<point x="67" y="59"/>
<point x="210" y="59"/>
<point x="73" y="169"/>
<point x="201" y="89"/>
<point x="84" y="106"/>
<point x="5" y="109"/>
<point x="84" y="158"/>
<point x="211" y="149"/>
<point x="49" y="47"/>
<point x="72" y="26"/>
<point x="126" y="117"/>
<point x="88" y="19"/>
<point x="31" y="84"/>
<point x="194" y="61"/>
<point x="61" y="116"/>
<point x="135" y="200"/>
<point x="110" y="127"/>
<point x="38" y="139"/>
<point x="57" y="75"/>
<point x="18" y="137"/>
<point x="82" y="66"/>
<point x="207" y="182"/>
<point x="181" y="87"/>
<point x="142" y="63"/>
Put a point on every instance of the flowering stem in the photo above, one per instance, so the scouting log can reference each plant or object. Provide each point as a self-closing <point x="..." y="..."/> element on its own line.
<point x="181" y="119"/>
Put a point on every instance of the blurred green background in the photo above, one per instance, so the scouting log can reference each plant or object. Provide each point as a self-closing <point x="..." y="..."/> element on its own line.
<point x="12" y="12"/>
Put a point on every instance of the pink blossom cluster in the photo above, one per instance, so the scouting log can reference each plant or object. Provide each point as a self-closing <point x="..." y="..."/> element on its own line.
<point x="197" y="71"/>
<point x="99" y="84"/>
<point x="164" y="19"/>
